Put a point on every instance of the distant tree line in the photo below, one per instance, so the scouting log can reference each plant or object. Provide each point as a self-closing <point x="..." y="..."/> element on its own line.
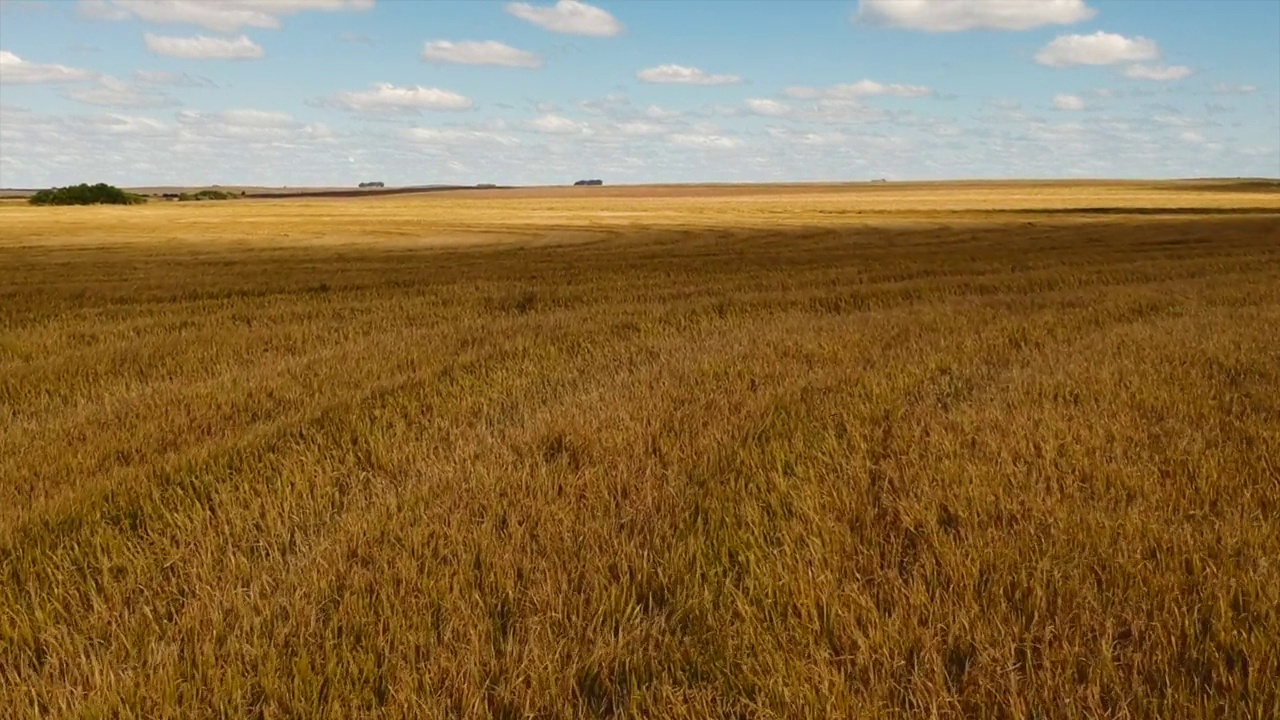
<point x="374" y="184"/>
<point x="589" y="182"/>
<point x="206" y="195"/>
<point x="85" y="194"/>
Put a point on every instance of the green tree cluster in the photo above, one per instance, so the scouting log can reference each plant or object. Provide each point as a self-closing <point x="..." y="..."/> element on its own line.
<point x="206" y="195"/>
<point x="85" y="194"/>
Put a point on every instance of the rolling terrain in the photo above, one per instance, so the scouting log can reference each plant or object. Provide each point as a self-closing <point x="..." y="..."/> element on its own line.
<point x="905" y="450"/>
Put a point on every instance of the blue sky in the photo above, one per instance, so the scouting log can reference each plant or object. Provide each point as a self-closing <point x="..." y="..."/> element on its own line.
<point x="334" y="92"/>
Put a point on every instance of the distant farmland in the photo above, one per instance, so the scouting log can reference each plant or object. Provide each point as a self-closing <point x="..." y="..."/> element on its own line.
<point x="282" y="192"/>
<point x="893" y="450"/>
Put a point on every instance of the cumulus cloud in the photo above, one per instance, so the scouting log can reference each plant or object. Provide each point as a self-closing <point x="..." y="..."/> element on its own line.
<point x="14" y="70"/>
<point x="612" y="105"/>
<point x="1158" y="73"/>
<point x="130" y="125"/>
<point x="101" y="10"/>
<point x="1002" y="103"/>
<point x="558" y="125"/>
<point x="553" y="133"/>
<point x="173" y="79"/>
<point x="710" y="141"/>
<point x="202" y="47"/>
<point x="124" y="149"/>
<point x="458" y="137"/>
<point x="682" y="75"/>
<point x="768" y="108"/>
<point x="960" y="15"/>
<point x="1232" y="89"/>
<point x="860" y="89"/>
<point x="638" y="128"/>
<point x="131" y="149"/>
<point x="654" y="112"/>
<point x="1100" y="48"/>
<point x="821" y="139"/>
<point x="615" y="129"/>
<point x="110" y="91"/>
<point x="385" y="97"/>
<point x="471" y="52"/>
<point x="256" y="127"/>
<point x="1068" y="102"/>
<point x="257" y="118"/>
<point x="569" y="17"/>
<point x="223" y="16"/>
<point x="841" y="111"/>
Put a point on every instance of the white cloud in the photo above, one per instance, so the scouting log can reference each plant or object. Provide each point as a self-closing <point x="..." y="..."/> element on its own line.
<point x="1230" y="89"/>
<point x="1191" y="136"/>
<point x="860" y="89"/>
<point x="837" y="111"/>
<point x="101" y="10"/>
<point x="1173" y="118"/>
<point x="130" y="125"/>
<point x="1067" y="102"/>
<point x="768" y="108"/>
<point x="173" y="79"/>
<point x="41" y="151"/>
<point x="202" y="47"/>
<point x="708" y="140"/>
<point x="387" y="97"/>
<point x="682" y="75"/>
<point x="257" y="118"/>
<point x="959" y="15"/>
<point x="221" y="16"/>
<point x="15" y="70"/>
<point x="555" y="130"/>
<point x="653" y="112"/>
<point x="317" y="131"/>
<point x="470" y="52"/>
<point x="1159" y="73"/>
<point x="206" y="130"/>
<point x="113" y="92"/>
<point x="1003" y="104"/>
<point x="569" y="17"/>
<point x="638" y="128"/>
<point x="250" y="126"/>
<point x="820" y="139"/>
<point x="558" y="125"/>
<point x="455" y="137"/>
<point x="201" y="148"/>
<point x="1100" y="48"/>
<point x="613" y="104"/>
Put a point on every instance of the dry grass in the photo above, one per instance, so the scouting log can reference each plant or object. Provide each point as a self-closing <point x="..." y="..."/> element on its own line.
<point x="882" y="452"/>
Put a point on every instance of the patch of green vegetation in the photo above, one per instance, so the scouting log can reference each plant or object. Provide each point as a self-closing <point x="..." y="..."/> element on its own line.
<point x="206" y="195"/>
<point x="85" y="194"/>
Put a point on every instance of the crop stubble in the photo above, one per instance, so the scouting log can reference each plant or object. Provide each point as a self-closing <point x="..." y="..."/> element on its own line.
<point x="903" y="451"/>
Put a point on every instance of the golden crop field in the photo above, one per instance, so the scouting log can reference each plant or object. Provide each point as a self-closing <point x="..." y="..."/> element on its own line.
<point x="1002" y="450"/>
